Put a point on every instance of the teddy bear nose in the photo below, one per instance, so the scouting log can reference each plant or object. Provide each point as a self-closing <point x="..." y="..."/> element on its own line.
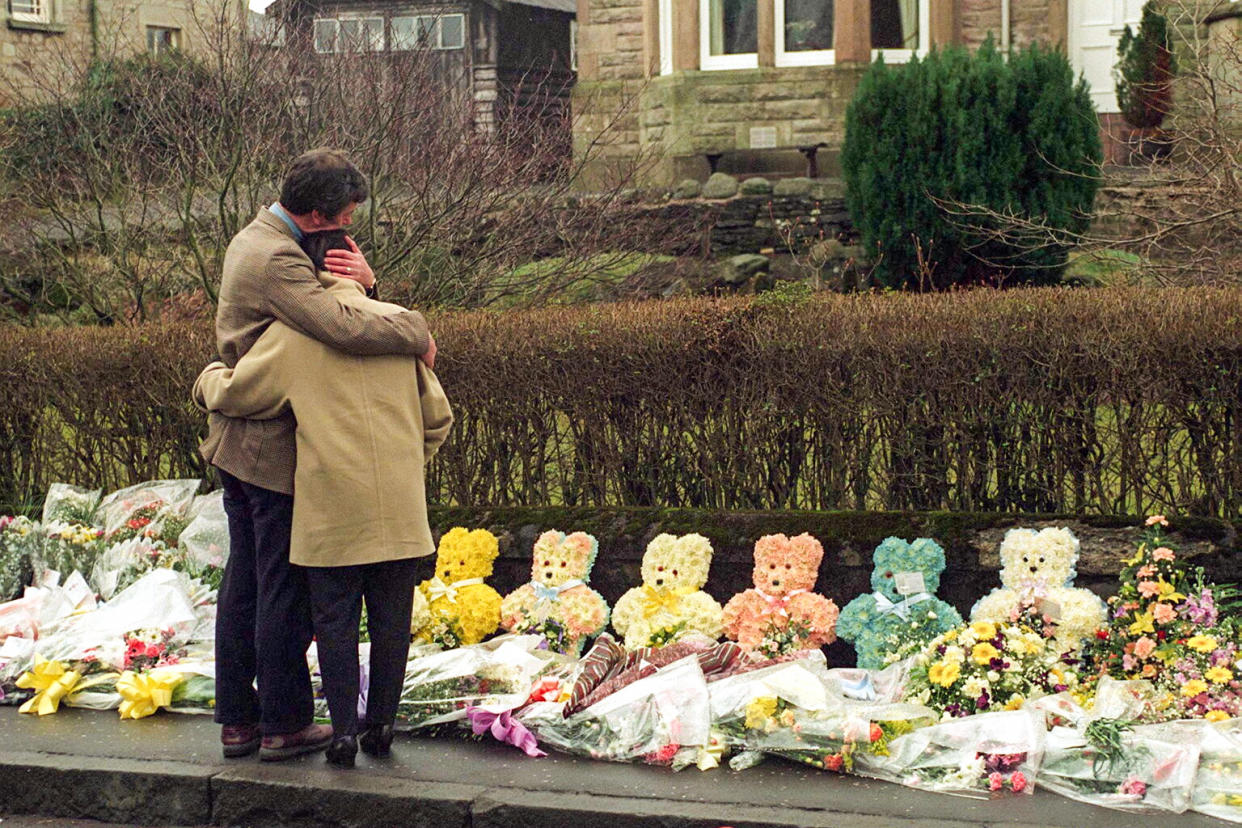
<point x="776" y="582"/>
<point x="659" y="582"/>
<point x="1034" y="568"/>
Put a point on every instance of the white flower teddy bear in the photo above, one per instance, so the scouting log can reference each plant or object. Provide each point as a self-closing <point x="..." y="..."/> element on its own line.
<point x="557" y="603"/>
<point x="1037" y="574"/>
<point x="671" y="603"/>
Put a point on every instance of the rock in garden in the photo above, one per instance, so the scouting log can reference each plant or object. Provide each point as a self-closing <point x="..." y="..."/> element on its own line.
<point x="792" y="187"/>
<point x="720" y="185"/>
<point x="756" y="186"/>
<point x="689" y="188"/>
<point x="737" y="270"/>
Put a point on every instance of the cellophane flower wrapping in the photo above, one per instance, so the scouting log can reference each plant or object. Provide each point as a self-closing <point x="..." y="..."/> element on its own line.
<point x="647" y="720"/>
<point x="124" y="562"/>
<point x="66" y="503"/>
<point x="497" y="675"/>
<point x="1218" y="783"/>
<point x="985" y="755"/>
<point x="793" y="709"/>
<point x="1116" y="764"/>
<point x="204" y="543"/>
<point x="66" y="548"/>
<point x="156" y="509"/>
<point x="20" y="543"/>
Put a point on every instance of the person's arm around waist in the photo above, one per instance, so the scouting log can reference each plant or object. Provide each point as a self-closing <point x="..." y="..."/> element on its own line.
<point x="249" y="391"/>
<point x="294" y="296"/>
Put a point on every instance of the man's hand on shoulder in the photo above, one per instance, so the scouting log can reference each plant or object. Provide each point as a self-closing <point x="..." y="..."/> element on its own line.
<point x="351" y="264"/>
<point x="429" y="358"/>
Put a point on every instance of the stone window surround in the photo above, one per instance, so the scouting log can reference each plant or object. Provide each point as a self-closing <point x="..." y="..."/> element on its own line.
<point x="774" y="11"/>
<point x="940" y="22"/>
<point x="46" y="22"/>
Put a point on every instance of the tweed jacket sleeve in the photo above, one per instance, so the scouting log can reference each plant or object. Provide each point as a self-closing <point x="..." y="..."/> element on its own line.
<point x="295" y="297"/>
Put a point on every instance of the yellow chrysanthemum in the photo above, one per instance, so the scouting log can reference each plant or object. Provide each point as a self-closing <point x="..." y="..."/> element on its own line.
<point x="984" y="653"/>
<point x="983" y="630"/>
<point x="1216" y="716"/>
<point x="943" y="673"/>
<point x="1015" y="701"/>
<point x="759" y="711"/>
<point x="1218" y="675"/>
<point x="951" y="635"/>
<point x="1201" y="643"/>
<point x="1194" y="687"/>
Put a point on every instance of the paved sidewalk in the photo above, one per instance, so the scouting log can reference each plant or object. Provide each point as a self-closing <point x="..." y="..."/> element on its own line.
<point x="167" y="770"/>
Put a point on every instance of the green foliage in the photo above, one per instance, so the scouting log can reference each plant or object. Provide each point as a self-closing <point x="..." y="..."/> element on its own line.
<point x="966" y="169"/>
<point x="1145" y="70"/>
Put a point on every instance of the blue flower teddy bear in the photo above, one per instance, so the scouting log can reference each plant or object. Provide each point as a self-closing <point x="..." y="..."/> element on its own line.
<point x="902" y="613"/>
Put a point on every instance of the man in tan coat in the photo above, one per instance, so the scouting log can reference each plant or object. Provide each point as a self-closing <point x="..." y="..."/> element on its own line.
<point x="263" y="625"/>
<point x="365" y="428"/>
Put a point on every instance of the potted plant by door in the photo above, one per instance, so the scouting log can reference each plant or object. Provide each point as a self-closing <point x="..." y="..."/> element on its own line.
<point x="1144" y="76"/>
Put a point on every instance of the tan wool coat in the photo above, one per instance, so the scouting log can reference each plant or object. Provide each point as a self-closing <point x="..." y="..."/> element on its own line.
<point x="365" y="428"/>
<point x="266" y="276"/>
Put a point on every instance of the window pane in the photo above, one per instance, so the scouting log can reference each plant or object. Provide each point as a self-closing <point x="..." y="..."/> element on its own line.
<point x="895" y="24"/>
<point x="30" y="10"/>
<point x="403" y="35"/>
<point x="427" y="31"/>
<point x="733" y="27"/>
<point x="162" y="40"/>
<point x="325" y="35"/>
<point x="452" y="34"/>
<point x="808" y="25"/>
<point x="373" y="34"/>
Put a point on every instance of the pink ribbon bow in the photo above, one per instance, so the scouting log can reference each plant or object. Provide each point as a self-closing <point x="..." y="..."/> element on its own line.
<point x="504" y="729"/>
<point x="776" y="603"/>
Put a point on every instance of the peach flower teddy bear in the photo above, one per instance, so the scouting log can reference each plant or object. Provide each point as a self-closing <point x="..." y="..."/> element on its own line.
<point x="557" y="603"/>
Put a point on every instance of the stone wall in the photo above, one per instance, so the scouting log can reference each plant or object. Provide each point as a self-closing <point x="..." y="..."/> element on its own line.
<point x="971" y="543"/>
<point x="1029" y="21"/>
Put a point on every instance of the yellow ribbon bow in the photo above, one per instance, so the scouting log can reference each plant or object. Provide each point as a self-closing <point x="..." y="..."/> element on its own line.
<point x="144" y="693"/>
<point x="51" y="682"/>
<point x="662" y="599"/>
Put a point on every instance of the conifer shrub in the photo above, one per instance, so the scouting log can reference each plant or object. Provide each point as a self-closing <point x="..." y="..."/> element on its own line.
<point x="1144" y="72"/>
<point x="965" y="169"/>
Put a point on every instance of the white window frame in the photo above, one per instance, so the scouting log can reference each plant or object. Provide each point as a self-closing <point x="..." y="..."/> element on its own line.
<point x="708" y="61"/>
<point x="573" y="45"/>
<point x="437" y="26"/>
<point x="337" y="46"/>
<point x="813" y="57"/>
<point x="665" y="10"/>
<point x="336" y="35"/>
<point x="904" y="55"/>
<point x="31" y="11"/>
<point x="176" y="38"/>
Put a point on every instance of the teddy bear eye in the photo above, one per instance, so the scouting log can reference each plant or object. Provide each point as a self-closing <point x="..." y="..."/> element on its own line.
<point x="674" y="571"/>
<point x="888" y="574"/>
<point x="564" y="563"/>
<point x="787" y="566"/>
<point x="1041" y="558"/>
<point x="461" y="563"/>
<point x="771" y="566"/>
<point x="547" y="563"/>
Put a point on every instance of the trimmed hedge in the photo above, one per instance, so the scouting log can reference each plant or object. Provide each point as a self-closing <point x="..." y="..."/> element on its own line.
<point x="1123" y="401"/>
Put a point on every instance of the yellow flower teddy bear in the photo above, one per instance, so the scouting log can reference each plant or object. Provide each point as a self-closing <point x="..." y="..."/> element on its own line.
<point x="557" y="603"/>
<point x="463" y="610"/>
<point x="781" y="614"/>
<point x="1037" y="574"/>
<point x="671" y="602"/>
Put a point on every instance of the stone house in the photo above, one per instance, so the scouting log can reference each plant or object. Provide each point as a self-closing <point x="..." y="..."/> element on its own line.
<point x="497" y="52"/>
<point x="762" y="85"/>
<point x="47" y="43"/>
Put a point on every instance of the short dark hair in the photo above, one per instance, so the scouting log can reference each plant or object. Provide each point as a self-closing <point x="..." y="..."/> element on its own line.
<point x="318" y="244"/>
<point x="324" y="180"/>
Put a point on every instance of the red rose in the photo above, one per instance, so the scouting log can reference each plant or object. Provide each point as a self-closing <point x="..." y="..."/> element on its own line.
<point x="834" y="761"/>
<point x="1102" y="635"/>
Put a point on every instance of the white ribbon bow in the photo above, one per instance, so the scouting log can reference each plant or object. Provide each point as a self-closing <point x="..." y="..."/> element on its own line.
<point x="437" y="589"/>
<point x="778" y="602"/>
<point x="543" y="592"/>
<point x="902" y="608"/>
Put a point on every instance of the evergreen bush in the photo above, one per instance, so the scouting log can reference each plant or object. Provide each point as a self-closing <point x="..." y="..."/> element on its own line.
<point x="970" y="169"/>
<point x="1144" y="71"/>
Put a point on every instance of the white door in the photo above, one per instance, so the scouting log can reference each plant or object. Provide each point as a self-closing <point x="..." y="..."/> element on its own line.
<point x="1095" y="27"/>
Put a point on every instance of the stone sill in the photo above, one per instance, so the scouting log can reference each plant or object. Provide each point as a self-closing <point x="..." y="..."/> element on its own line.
<point x="31" y="26"/>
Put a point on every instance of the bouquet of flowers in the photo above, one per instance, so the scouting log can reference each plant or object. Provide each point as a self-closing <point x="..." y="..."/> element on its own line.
<point x="788" y="709"/>
<point x="205" y="541"/>
<point x="984" y="667"/>
<point x="123" y="563"/>
<point x="495" y="675"/>
<point x="650" y="719"/>
<point x="70" y="504"/>
<point x="983" y="755"/>
<point x="155" y="510"/>
<point x="1116" y="764"/>
<point x="1166" y="626"/>
<point x="19" y="541"/>
<point x="66" y="548"/>
<point x="1218" y="785"/>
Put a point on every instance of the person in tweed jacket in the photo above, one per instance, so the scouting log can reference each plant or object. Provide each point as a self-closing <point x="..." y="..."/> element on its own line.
<point x="263" y="624"/>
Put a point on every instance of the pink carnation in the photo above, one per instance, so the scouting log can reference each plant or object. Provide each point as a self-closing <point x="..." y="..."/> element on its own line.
<point x="1163" y="613"/>
<point x="1144" y="647"/>
<point x="995" y="781"/>
<point x="1018" y="781"/>
<point x="1162" y="553"/>
<point x="1148" y="589"/>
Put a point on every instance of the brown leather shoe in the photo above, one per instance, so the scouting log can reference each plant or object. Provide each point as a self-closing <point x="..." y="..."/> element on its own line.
<point x="239" y="740"/>
<point x="309" y="739"/>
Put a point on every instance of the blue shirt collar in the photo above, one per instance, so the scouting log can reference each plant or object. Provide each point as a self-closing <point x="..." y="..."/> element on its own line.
<point x="280" y="212"/>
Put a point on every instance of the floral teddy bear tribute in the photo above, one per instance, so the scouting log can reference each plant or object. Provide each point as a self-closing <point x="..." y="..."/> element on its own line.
<point x="781" y="614"/>
<point x="1037" y="576"/>
<point x="557" y="603"/>
<point x="671" y="603"/>
<point x="462" y="608"/>
<point x="902" y="613"/>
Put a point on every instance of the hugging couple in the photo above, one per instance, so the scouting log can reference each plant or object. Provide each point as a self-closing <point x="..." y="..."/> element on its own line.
<point x="323" y="410"/>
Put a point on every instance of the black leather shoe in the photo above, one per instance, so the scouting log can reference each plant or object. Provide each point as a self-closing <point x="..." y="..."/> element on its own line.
<point x="342" y="751"/>
<point x="376" y="740"/>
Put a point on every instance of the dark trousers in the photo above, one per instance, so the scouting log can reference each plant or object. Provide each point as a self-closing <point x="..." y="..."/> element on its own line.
<point x="263" y="622"/>
<point x="337" y="593"/>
